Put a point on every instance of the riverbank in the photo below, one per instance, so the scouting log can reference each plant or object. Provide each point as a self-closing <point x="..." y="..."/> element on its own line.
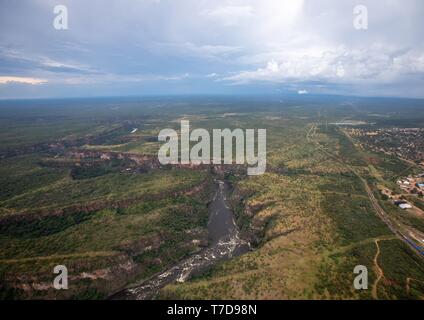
<point x="225" y="243"/>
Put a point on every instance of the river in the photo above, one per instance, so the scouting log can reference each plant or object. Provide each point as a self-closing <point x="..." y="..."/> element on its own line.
<point x="224" y="240"/>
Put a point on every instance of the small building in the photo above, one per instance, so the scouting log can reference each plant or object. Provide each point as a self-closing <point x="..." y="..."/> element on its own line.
<point x="399" y="202"/>
<point x="104" y="157"/>
<point x="405" y="206"/>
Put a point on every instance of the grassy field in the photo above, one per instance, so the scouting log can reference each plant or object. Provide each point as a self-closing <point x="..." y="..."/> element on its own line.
<point x="115" y="186"/>
<point x="314" y="223"/>
<point x="309" y="218"/>
<point x="113" y="227"/>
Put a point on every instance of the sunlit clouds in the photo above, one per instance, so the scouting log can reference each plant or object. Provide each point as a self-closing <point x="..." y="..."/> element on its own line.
<point x="24" y="80"/>
<point x="200" y="46"/>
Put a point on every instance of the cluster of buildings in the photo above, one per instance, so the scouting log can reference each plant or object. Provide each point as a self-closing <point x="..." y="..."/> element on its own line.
<point x="407" y="143"/>
<point x="403" y="204"/>
<point x="413" y="184"/>
<point x="397" y="199"/>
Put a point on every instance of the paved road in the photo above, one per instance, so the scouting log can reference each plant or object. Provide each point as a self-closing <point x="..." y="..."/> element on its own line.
<point x="394" y="226"/>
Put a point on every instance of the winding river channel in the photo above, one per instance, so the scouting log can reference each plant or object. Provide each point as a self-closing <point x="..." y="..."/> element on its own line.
<point x="225" y="243"/>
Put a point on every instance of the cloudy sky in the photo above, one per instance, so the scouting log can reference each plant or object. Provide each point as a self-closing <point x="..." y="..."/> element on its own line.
<point x="137" y="47"/>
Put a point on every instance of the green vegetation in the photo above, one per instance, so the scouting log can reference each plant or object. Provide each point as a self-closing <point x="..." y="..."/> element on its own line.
<point x="315" y="222"/>
<point x="106" y="187"/>
<point x="114" y="222"/>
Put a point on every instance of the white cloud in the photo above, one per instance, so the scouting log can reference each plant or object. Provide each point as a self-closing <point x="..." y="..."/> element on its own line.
<point x="238" y="41"/>
<point x="230" y="15"/>
<point x="272" y="67"/>
<point x="24" y="80"/>
<point x="174" y="77"/>
<point x="340" y="65"/>
<point x="302" y="92"/>
<point x="42" y="61"/>
<point x="111" y="78"/>
<point x="191" y="49"/>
